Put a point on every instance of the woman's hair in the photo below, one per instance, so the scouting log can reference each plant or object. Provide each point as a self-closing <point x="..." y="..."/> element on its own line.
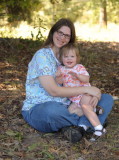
<point x="65" y="50"/>
<point x="62" y="22"/>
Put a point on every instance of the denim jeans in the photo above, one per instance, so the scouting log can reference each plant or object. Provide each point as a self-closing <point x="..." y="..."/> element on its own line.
<point x="52" y="116"/>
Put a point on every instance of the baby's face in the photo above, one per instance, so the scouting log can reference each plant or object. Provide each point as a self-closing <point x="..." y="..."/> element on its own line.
<point x="69" y="59"/>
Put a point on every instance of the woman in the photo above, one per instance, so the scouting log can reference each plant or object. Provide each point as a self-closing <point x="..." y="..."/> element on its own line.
<point x="45" y="106"/>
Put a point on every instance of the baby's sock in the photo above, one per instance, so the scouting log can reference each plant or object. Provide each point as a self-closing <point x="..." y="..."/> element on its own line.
<point x="98" y="128"/>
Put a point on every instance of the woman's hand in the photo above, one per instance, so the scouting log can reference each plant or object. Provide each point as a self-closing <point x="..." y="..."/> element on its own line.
<point x="94" y="91"/>
<point x="93" y="101"/>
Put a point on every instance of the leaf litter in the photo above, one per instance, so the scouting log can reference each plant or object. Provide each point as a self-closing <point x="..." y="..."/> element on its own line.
<point x="21" y="142"/>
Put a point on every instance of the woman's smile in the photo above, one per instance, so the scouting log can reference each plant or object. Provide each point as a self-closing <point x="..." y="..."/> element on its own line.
<point x="60" y="37"/>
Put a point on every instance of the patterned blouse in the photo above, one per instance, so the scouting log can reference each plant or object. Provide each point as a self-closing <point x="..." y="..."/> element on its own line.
<point x="43" y="63"/>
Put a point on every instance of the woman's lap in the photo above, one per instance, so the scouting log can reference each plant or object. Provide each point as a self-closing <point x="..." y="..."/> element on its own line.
<point x="52" y="116"/>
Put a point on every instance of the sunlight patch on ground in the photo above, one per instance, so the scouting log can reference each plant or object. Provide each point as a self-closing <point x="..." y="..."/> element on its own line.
<point x="22" y="31"/>
<point x="83" y="32"/>
<point x="94" y="33"/>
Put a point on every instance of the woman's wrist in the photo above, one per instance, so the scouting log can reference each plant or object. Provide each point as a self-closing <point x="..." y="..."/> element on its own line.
<point x="94" y="91"/>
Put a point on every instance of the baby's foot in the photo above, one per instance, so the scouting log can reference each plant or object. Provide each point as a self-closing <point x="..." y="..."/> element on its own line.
<point x="98" y="110"/>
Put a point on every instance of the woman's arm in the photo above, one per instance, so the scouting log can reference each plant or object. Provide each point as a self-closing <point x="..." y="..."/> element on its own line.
<point x="53" y="89"/>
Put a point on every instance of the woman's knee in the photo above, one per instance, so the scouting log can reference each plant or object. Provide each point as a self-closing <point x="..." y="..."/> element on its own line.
<point x="107" y="99"/>
<point x="106" y="103"/>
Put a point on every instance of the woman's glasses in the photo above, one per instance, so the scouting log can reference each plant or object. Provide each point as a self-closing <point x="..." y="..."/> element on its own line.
<point x="60" y="33"/>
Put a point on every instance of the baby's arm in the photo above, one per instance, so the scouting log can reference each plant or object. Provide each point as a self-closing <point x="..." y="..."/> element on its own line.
<point x="80" y="77"/>
<point x="83" y="78"/>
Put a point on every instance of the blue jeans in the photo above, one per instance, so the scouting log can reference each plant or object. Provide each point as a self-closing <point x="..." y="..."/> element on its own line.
<point x="52" y="116"/>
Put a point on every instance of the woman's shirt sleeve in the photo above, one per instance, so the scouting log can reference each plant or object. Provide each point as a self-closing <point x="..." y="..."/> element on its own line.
<point x="41" y="64"/>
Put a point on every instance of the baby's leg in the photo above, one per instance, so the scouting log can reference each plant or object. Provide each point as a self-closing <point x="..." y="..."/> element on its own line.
<point x="92" y="117"/>
<point x="86" y="100"/>
<point x="73" y="108"/>
<point x="88" y="110"/>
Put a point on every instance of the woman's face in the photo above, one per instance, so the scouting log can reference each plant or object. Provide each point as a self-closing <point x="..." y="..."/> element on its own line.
<point x="62" y="36"/>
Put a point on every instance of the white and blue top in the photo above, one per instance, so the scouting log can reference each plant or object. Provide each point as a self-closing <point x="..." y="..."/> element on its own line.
<point x="43" y="63"/>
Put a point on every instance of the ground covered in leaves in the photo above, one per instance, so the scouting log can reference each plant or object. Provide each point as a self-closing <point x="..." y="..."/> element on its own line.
<point x="18" y="141"/>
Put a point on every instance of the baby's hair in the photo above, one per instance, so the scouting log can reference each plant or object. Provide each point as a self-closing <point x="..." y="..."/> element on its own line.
<point x="70" y="46"/>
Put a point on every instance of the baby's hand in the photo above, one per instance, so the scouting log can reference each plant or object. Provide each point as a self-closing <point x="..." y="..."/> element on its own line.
<point x="73" y="74"/>
<point x="59" y="77"/>
<point x="58" y="73"/>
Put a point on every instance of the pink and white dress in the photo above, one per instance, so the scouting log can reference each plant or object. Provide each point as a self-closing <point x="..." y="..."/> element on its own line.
<point x="68" y="81"/>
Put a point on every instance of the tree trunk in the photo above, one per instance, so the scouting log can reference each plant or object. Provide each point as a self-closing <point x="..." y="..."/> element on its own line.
<point x="103" y="14"/>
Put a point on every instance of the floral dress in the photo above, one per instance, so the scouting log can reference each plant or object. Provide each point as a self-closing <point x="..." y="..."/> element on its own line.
<point x="68" y="80"/>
